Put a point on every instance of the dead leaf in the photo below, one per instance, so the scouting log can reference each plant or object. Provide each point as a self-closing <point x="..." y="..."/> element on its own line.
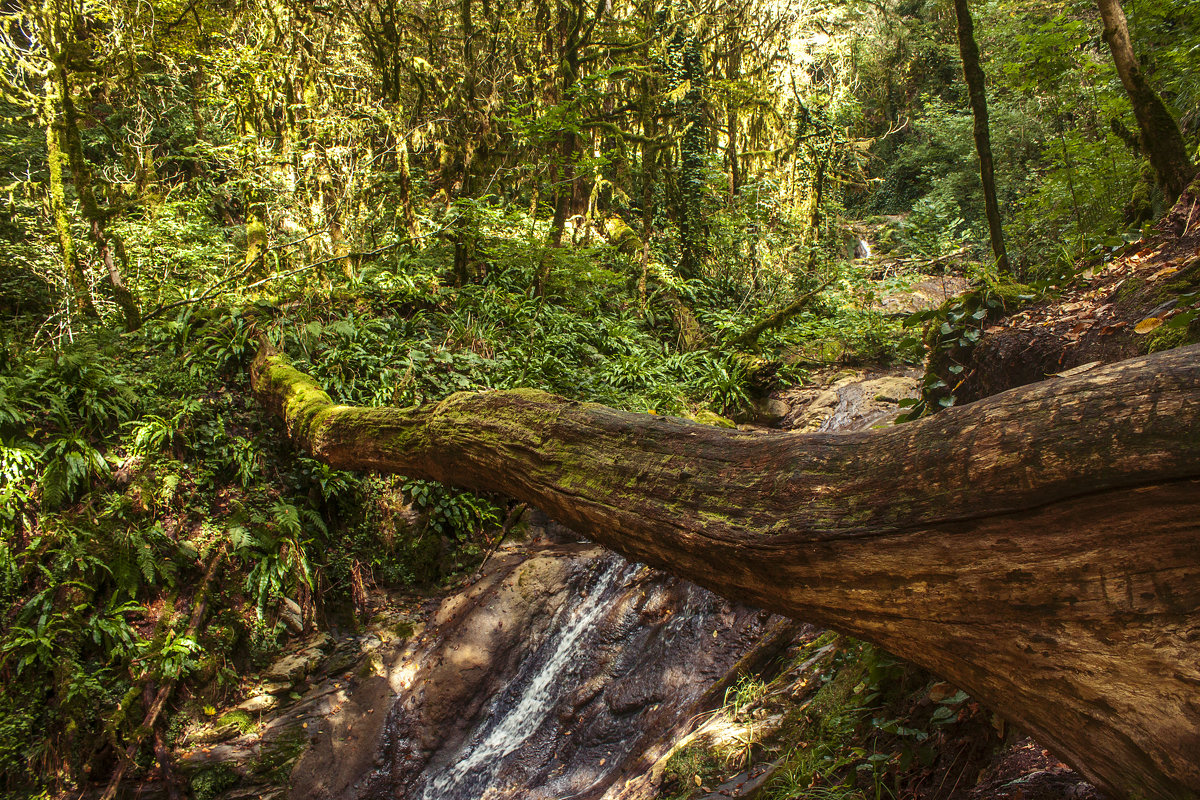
<point x="1162" y="273"/>
<point x="1147" y="325"/>
<point x="940" y="691"/>
<point x="1108" y="330"/>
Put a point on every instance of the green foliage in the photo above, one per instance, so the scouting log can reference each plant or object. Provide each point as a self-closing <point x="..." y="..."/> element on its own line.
<point x="273" y="542"/>
<point x="953" y="329"/>
<point x="209" y="783"/>
<point x="407" y="197"/>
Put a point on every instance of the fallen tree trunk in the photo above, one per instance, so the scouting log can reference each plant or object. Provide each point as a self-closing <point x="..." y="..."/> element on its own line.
<point x="1039" y="548"/>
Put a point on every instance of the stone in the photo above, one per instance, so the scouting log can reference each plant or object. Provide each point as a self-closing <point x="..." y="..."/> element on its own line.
<point x="294" y="666"/>
<point x="292" y="616"/>
<point x="260" y="702"/>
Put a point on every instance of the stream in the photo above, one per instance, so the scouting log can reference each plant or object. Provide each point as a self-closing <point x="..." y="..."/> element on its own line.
<point x="563" y="673"/>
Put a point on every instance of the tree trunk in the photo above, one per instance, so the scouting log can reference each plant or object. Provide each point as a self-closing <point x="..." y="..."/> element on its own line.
<point x="733" y="73"/>
<point x="1039" y="548"/>
<point x="56" y="193"/>
<point x="1160" y="132"/>
<point x="749" y="337"/>
<point x="411" y="227"/>
<point x="104" y="240"/>
<point x="973" y="74"/>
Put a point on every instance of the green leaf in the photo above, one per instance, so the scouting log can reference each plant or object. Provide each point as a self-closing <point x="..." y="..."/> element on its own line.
<point x="1183" y="320"/>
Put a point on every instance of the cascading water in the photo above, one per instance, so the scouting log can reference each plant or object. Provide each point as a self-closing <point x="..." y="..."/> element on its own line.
<point x="548" y="681"/>
<point x="514" y="716"/>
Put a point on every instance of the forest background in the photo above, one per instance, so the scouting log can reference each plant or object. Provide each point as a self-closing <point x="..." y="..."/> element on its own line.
<point x="606" y="201"/>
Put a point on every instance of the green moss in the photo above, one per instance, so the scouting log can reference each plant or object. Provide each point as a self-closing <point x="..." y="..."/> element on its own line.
<point x="278" y="756"/>
<point x="1128" y="289"/>
<point x="210" y="782"/>
<point x="1169" y="338"/>
<point x="707" y="417"/>
<point x="242" y="719"/>
<point x="1141" y="202"/>
<point x="686" y="765"/>
<point x="823" y="732"/>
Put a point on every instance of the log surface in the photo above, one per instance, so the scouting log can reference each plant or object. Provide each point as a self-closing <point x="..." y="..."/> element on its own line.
<point x="1039" y="548"/>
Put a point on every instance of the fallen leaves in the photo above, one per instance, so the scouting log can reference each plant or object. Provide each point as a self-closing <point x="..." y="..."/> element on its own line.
<point x="1147" y="325"/>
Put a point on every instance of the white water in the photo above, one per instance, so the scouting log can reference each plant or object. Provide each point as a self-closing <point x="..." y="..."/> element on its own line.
<point x="863" y="250"/>
<point x="483" y="756"/>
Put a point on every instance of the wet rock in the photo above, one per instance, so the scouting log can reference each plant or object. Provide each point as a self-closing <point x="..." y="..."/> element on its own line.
<point x="632" y="694"/>
<point x="293" y="667"/>
<point x="850" y="402"/>
<point x="546" y="675"/>
<point x="816" y="411"/>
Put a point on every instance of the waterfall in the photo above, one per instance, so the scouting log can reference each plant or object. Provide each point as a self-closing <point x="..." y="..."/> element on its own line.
<point x="515" y="715"/>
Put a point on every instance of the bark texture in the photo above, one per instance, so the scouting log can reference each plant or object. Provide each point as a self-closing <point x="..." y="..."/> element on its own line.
<point x="1161" y="138"/>
<point x="1039" y="548"/>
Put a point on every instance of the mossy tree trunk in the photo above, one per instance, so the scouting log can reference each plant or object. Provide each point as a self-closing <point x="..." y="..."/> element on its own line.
<point x="109" y="246"/>
<point x="1039" y="548"/>
<point x="1161" y="137"/>
<point x="56" y="193"/>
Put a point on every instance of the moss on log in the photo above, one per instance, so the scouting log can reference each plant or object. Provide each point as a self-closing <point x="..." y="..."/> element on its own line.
<point x="1039" y="548"/>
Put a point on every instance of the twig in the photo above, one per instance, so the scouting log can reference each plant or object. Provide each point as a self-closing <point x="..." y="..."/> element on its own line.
<point x="514" y="517"/>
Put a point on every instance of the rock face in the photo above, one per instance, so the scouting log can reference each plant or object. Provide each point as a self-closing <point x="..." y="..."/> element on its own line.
<point x="850" y="402"/>
<point x="541" y="681"/>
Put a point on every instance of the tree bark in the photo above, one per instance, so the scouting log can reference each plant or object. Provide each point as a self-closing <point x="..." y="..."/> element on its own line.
<point x="1160" y="132"/>
<point x="52" y="111"/>
<point x="977" y="93"/>
<point x="733" y="73"/>
<point x="1039" y="548"/>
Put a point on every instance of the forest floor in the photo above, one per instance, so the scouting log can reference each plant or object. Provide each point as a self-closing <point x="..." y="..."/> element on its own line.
<point x="1140" y="299"/>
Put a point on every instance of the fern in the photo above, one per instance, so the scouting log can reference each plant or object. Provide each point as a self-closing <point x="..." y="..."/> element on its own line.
<point x="71" y="463"/>
<point x="19" y="464"/>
